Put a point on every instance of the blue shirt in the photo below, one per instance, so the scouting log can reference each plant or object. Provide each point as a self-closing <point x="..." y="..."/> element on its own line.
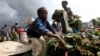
<point x="39" y="27"/>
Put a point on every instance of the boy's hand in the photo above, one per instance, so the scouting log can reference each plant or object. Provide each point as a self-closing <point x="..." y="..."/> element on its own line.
<point x="60" y="40"/>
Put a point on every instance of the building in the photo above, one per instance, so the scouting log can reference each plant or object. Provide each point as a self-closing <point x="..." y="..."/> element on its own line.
<point x="87" y="25"/>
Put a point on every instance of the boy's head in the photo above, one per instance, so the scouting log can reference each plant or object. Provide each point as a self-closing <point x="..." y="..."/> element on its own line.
<point x="16" y="23"/>
<point x="5" y="25"/>
<point x="42" y="13"/>
<point x="64" y="4"/>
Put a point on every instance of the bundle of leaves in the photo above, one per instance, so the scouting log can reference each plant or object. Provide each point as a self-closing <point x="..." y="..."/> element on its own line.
<point x="53" y="48"/>
<point x="81" y="46"/>
<point x="57" y="16"/>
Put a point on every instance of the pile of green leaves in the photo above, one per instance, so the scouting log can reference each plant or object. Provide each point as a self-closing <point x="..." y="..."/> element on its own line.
<point x="81" y="46"/>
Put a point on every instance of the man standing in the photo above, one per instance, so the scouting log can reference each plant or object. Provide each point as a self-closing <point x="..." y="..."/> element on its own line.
<point x="66" y="17"/>
<point x="63" y="16"/>
<point x="41" y="27"/>
<point x="5" y="31"/>
<point x="14" y="32"/>
<point x="16" y="26"/>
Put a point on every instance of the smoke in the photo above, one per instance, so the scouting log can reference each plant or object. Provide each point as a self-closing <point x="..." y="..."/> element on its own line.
<point x="18" y="10"/>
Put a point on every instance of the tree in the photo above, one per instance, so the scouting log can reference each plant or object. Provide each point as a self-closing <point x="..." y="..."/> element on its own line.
<point x="96" y="22"/>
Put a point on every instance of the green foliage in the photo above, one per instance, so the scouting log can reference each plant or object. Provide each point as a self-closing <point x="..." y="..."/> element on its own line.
<point x="78" y="24"/>
<point x="14" y="36"/>
<point x="81" y="46"/>
<point x="57" y="15"/>
<point x="96" y="22"/>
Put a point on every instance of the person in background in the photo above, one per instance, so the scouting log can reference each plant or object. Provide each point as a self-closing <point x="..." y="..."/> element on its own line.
<point x="13" y="34"/>
<point x="41" y="27"/>
<point x="22" y="35"/>
<point x="5" y="31"/>
<point x="57" y="27"/>
<point x="67" y="13"/>
<point x="20" y="31"/>
<point x="63" y="16"/>
<point x="73" y="23"/>
<point x="16" y="26"/>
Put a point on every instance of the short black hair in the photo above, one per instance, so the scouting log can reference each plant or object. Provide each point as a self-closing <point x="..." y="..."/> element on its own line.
<point x="65" y="2"/>
<point x="5" y="25"/>
<point x="40" y="10"/>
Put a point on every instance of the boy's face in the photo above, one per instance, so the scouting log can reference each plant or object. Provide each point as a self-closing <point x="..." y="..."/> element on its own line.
<point x="44" y="14"/>
<point x="64" y="5"/>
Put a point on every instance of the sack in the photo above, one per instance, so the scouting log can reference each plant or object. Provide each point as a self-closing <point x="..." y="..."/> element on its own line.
<point x="29" y="20"/>
<point x="23" y="37"/>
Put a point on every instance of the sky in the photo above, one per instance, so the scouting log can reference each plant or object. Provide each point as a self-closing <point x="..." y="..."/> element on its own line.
<point x="18" y="10"/>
